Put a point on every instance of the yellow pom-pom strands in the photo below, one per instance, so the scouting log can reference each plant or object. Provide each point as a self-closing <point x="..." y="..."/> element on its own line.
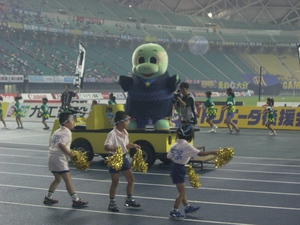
<point x="79" y="160"/>
<point x="223" y="156"/>
<point x="193" y="177"/>
<point x="116" y="160"/>
<point x="138" y="162"/>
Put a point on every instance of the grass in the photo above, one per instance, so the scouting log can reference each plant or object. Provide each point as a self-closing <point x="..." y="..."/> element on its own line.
<point x="252" y="100"/>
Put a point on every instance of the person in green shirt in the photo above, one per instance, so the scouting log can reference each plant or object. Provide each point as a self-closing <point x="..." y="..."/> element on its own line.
<point x="1" y="113"/>
<point x="44" y="110"/>
<point x="112" y="99"/>
<point x="211" y="111"/>
<point x="230" y="107"/>
<point x="271" y="118"/>
<point x="18" y="112"/>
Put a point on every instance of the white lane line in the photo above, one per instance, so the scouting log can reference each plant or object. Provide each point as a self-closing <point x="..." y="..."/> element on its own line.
<point x="272" y="159"/>
<point x="235" y="157"/>
<point x="154" y="217"/>
<point x="148" y="184"/>
<point x="12" y="137"/>
<point x="161" y="199"/>
<point x="232" y="162"/>
<point x="164" y="174"/>
<point x="189" y="187"/>
<point x="23" y="156"/>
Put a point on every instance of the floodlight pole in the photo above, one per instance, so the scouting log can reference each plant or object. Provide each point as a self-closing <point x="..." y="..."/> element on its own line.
<point x="259" y="85"/>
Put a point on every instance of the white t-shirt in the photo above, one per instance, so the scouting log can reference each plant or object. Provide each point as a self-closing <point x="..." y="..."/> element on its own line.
<point x="58" y="160"/>
<point x="182" y="151"/>
<point x="116" y="138"/>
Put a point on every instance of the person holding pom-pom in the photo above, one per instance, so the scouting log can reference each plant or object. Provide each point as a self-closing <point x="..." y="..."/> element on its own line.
<point x="180" y="153"/>
<point x="59" y="153"/>
<point x="116" y="139"/>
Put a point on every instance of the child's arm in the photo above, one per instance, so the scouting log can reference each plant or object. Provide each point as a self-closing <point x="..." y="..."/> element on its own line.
<point x="110" y="148"/>
<point x="225" y="107"/>
<point x="131" y="145"/>
<point x="65" y="149"/>
<point x="205" y="153"/>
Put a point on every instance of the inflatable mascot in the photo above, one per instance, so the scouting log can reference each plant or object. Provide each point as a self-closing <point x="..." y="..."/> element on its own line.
<point x="150" y="89"/>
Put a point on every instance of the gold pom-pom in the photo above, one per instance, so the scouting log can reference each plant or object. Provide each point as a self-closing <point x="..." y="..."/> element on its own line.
<point x="138" y="162"/>
<point x="194" y="178"/>
<point x="223" y="156"/>
<point x="80" y="160"/>
<point x="116" y="160"/>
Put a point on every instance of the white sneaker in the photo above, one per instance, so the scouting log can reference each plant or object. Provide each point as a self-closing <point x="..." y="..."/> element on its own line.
<point x="215" y="128"/>
<point x="274" y="133"/>
<point x="211" y="131"/>
<point x="271" y="133"/>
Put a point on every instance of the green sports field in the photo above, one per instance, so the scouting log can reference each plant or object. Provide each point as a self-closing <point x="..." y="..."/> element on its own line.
<point x="252" y="101"/>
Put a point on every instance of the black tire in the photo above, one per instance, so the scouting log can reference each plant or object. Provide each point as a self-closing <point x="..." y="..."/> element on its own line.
<point x="83" y="145"/>
<point x="103" y="155"/>
<point x="148" y="152"/>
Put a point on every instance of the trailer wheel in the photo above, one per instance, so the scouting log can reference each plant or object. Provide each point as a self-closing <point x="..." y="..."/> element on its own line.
<point x="83" y="145"/>
<point x="147" y="152"/>
<point x="148" y="155"/>
<point x="103" y="155"/>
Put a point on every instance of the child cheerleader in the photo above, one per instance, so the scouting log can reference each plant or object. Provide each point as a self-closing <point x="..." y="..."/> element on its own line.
<point x="180" y="153"/>
<point x="18" y="112"/>
<point x="1" y="113"/>
<point x="230" y="107"/>
<point x="271" y="118"/>
<point x="45" y="113"/>
<point x="210" y="112"/>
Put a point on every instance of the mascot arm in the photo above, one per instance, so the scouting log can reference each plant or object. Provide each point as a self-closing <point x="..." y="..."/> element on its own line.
<point x="173" y="83"/>
<point x="125" y="82"/>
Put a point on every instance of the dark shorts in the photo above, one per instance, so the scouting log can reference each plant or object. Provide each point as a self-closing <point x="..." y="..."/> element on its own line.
<point x="178" y="172"/>
<point x="125" y="166"/>
<point x="230" y="115"/>
<point x="61" y="172"/>
<point x="211" y="117"/>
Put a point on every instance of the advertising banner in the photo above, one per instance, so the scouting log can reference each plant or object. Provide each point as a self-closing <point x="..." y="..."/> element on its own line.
<point x="31" y="111"/>
<point x="287" y="118"/>
<point x="11" y="78"/>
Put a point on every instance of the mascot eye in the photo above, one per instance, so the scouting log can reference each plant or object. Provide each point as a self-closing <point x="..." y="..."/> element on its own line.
<point x="141" y="60"/>
<point x="153" y="60"/>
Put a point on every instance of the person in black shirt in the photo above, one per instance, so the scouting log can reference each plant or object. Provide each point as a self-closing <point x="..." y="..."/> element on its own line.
<point x="186" y="102"/>
<point x="66" y="98"/>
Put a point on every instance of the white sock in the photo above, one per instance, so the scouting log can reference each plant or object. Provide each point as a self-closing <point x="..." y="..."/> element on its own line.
<point x="50" y="194"/>
<point x="74" y="197"/>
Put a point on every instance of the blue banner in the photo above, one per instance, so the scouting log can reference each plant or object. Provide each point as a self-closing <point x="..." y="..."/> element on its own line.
<point x="266" y="80"/>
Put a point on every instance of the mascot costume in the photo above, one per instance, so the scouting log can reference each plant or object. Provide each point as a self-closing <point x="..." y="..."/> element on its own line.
<point x="150" y="89"/>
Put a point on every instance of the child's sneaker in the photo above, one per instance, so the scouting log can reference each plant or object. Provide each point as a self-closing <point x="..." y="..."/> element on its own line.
<point x="211" y="131"/>
<point x="215" y="128"/>
<point x="273" y="133"/>
<point x="113" y="207"/>
<point x="230" y="132"/>
<point x="79" y="203"/>
<point x="237" y="131"/>
<point x="132" y="203"/>
<point x="49" y="201"/>
<point x="176" y="215"/>
<point x="190" y="209"/>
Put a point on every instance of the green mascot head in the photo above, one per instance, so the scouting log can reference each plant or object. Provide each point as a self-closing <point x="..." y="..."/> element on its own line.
<point x="149" y="61"/>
